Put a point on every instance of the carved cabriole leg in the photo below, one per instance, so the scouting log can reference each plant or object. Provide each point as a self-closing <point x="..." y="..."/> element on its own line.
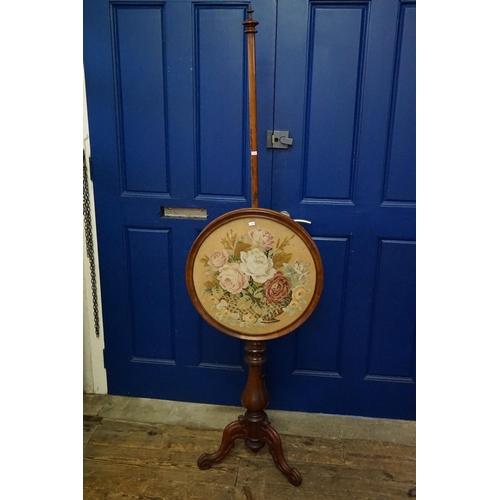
<point x="254" y="427"/>
<point x="273" y="440"/>
<point x="235" y="430"/>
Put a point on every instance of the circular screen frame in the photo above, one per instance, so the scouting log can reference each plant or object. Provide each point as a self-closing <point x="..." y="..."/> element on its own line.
<point x="261" y="257"/>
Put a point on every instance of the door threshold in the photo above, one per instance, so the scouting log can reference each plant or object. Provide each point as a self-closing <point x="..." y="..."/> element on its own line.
<point x="216" y="417"/>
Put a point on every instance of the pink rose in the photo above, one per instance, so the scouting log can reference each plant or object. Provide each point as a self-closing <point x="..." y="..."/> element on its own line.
<point x="277" y="288"/>
<point x="261" y="237"/>
<point x="218" y="259"/>
<point x="232" y="279"/>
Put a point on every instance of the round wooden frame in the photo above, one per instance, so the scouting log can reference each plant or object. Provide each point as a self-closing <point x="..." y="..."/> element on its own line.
<point x="280" y="219"/>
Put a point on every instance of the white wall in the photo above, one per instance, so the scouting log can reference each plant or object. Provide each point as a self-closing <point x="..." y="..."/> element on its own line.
<point x="94" y="373"/>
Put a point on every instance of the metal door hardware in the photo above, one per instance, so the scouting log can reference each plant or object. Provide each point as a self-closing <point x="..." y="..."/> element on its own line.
<point x="278" y="139"/>
<point x="184" y="213"/>
<point x="301" y="221"/>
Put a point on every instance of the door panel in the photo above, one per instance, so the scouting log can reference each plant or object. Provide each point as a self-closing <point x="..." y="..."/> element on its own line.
<point x="221" y="113"/>
<point x="401" y="156"/>
<point x="142" y="110"/>
<point x="393" y="304"/>
<point x="336" y="38"/>
<point x="150" y="284"/>
<point x="351" y="172"/>
<point x="168" y="114"/>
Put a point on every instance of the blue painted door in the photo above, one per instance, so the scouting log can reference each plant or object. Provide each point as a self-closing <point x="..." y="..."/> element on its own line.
<point x="166" y="85"/>
<point x="348" y="98"/>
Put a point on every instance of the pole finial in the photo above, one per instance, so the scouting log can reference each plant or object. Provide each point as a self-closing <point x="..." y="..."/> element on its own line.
<point x="250" y="23"/>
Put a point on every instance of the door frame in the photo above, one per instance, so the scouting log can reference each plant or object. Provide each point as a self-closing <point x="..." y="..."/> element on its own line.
<point x="94" y="372"/>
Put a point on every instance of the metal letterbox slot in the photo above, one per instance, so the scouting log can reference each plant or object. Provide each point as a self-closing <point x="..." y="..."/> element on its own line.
<point x="184" y="213"/>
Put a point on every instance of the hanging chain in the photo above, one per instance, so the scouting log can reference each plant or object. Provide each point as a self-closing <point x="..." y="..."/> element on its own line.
<point x="90" y="244"/>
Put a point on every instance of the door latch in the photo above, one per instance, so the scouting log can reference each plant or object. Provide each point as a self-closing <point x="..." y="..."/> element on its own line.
<point x="278" y="139"/>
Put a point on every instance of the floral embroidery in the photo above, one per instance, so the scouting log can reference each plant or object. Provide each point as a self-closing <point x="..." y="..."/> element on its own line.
<point x="262" y="238"/>
<point x="232" y="279"/>
<point x="257" y="265"/>
<point x="277" y="288"/>
<point x="218" y="259"/>
<point x="250" y="281"/>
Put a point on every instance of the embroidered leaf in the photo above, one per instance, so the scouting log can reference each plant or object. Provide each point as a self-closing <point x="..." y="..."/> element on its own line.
<point x="285" y="242"/>
<point x="241" y="247"/>
<point x="280" y="259"/>
<point x="205" y="261"/>
<point x="229" y="241"/>
<point x="210" y="284"/>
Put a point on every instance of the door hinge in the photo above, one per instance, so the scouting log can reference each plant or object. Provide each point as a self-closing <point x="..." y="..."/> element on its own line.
<point x="104" y="357"/>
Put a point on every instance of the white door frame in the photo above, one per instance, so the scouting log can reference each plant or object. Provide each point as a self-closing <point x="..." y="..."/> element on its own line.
<point x="94" y="373"/>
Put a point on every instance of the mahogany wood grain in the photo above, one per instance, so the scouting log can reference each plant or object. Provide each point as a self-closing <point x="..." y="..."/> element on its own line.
<point x="250" y="30"/>
<point x="254" y="427"/>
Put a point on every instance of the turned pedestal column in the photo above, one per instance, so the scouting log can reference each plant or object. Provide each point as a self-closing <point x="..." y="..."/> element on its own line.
<point x="254" y="427"/>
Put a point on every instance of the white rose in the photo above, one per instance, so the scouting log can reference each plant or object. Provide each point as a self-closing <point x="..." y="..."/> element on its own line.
<point x="299" y="267"/>
<point x="257" y="265"/>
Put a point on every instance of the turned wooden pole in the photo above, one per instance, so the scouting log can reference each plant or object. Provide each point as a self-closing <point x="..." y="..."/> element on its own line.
<point x="250" y="31"/>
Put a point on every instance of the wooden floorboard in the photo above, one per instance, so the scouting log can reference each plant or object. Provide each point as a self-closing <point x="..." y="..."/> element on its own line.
<point x="90" y="424"/>
<point x="140" y="461"/>
<point x="111" y="480"/>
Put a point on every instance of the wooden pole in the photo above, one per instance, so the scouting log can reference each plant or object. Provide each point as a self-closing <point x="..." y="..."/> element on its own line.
<point x="250" y="31"/>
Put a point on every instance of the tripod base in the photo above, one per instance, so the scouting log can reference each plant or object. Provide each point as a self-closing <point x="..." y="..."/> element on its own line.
<point x="254" y="427"/>
<point x="242" y="429"/>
